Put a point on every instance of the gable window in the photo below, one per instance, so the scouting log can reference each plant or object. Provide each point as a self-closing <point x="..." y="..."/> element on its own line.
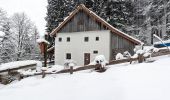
<point x="86" y="39"/>
<point x="68" y="55"/>
<point x="60" y="39"/>
<point x="95" y="52"/>
<point x="68" y="39"/>
<point x="80" y="24"/>
<point x="97" y="38"/>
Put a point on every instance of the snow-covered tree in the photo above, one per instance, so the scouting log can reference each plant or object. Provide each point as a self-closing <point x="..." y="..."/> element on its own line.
<point x="119" y="13"/>
<point x="24" y="31"/>
<point x="6" y="45"/>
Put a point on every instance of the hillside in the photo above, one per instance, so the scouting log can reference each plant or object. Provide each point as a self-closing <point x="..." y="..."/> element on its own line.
<point x="146" y="81"/>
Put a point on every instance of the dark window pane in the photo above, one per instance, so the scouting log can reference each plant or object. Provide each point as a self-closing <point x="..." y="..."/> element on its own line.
<point x="68" y="56"/>
<point x="59" y="39"/>
<point x="86" y="39"/>
<point x="68" y="39"/>
<point x="95" y="52"/>
<point x="97" y="38"/>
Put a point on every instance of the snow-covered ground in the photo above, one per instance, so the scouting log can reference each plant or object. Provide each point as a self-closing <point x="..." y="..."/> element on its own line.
<point x="146" y="81"/>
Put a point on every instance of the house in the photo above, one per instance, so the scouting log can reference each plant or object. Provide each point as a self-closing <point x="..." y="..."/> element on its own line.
<point x="83" y="35"/>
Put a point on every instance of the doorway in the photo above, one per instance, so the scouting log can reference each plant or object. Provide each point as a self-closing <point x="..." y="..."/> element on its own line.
<point x="86" y="58"/>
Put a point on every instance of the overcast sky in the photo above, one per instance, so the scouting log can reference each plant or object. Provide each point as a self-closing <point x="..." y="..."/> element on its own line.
<point x="35" y="9"/>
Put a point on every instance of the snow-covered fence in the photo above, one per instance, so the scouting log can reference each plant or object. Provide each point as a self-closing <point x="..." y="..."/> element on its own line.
<point x="139" y="57"/>
<point x="71" y="70"/>
<point x="11" y="71"/>
<point x="12" y="66"/>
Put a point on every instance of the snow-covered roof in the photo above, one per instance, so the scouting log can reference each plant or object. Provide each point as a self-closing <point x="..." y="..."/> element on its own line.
<point x="110" y="27"/>
<point x="160" y="42"/>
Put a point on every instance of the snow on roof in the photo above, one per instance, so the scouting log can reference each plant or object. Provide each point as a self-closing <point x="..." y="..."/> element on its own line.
<point x="17" y="64"/>
<point x="42" y="40"/>
<point x="160" y="42"/>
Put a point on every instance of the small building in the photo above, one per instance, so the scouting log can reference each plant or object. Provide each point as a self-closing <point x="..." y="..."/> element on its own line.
<point x="84" y="35"/>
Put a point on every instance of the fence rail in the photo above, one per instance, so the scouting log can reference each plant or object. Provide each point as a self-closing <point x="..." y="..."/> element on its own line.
<point x="20" y="67"/>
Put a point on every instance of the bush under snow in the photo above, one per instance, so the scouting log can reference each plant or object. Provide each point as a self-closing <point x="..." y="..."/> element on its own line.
<point x="100" y="59"/>
<point x="119" y="56"/>
<point x="126" y="54"/>
<point x="146" y="51"/>
<point x="69" y="63"/>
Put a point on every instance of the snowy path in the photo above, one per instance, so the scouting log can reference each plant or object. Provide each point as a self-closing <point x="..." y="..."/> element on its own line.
<point x="147" y="81"/>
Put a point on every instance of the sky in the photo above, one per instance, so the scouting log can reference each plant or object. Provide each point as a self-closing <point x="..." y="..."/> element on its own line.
<point x="35" y="10"/>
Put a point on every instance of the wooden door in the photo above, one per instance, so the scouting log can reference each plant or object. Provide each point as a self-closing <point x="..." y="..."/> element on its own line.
<point x="86" y="58"/>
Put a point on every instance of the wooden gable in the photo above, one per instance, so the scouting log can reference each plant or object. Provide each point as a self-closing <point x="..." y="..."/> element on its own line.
<point x="81" y="22"/>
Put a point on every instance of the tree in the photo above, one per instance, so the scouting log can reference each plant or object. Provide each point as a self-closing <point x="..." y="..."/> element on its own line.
<point x="24" y="31"/>
<point x="57" y="10"/>
<point x="6" y="45"/>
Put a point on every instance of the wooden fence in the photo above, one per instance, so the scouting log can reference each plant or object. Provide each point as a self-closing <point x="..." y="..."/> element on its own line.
<point x="31" y="66"/>
<point x="140" y="59"/>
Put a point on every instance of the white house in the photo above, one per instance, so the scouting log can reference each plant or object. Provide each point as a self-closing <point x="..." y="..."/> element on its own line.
<point x="84" y="35"/>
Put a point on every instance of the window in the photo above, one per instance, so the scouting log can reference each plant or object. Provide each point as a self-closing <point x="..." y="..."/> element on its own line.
<point x="97" y="38"/>
<point x="95" y="52"/>
<point x="86" y="39"/>
<point x="60" y="39"/>
<point x="68" y="39"/>
<point x="68" y="56"/>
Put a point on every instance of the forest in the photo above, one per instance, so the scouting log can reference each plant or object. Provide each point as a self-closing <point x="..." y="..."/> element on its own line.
<point x="138" y="18"/>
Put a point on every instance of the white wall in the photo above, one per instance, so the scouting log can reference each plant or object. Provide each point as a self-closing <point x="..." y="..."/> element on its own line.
<point x="77" y="47"/>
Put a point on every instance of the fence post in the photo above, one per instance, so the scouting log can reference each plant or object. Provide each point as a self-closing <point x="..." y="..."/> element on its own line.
<point x="130" y="60"/>
<point x="9" y="71"/>
<point x="19" y="77"/>
<point x="71" y="70"/>
<point x="43" y="73"/>
<point x="140" y="58"/>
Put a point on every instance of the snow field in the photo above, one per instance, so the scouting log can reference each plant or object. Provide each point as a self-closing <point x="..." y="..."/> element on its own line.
<point x="146" y="81"/>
